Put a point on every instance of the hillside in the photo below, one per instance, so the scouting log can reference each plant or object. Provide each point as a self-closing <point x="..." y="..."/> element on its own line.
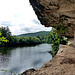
<point x="41" y="33"/>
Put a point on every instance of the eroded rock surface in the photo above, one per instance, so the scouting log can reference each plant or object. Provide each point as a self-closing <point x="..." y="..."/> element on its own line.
<point x="56" y="12"/>
<point x="62" y="64"/>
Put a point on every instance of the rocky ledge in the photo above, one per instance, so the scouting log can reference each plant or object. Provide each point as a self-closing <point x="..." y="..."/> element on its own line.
<point x="62" y="64"/>
<point x="52" y="13"/>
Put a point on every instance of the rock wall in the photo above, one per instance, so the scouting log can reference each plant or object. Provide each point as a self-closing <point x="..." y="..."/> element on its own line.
<point x="56" y="13"/>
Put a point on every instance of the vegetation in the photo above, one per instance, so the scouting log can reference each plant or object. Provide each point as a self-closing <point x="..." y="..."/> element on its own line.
<point x="39" y="37"/>
<point x="14" y="40"/>
<point x="5" y="31"/>
<point x="41" y="33"/>
<point x="6" y="39"/>
<point x="22" y="41"/>
<point x="3" y="70"/>
<point x="56" y="41"/>
<point x="61" y="28"/>
<point x="70" y="44"/>
<point x="2" y="39"/>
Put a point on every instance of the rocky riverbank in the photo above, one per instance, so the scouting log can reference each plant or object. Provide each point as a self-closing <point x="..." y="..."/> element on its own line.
<point x="62" y="64"/>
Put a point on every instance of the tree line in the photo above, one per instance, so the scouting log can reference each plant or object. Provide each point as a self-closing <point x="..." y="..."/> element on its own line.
<point x="6" y="39"/>
<point x="22" y="41"/>
<point x="17" y="41"/>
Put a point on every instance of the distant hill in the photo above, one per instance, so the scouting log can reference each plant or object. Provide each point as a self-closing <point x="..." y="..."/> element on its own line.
<point x="41" y="33"/>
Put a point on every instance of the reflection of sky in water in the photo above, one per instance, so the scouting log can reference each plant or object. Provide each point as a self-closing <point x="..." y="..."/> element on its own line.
<point x="23" y="58"/>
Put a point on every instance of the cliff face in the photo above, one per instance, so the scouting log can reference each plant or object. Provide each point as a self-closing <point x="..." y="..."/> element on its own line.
<point x="56" y="13"/>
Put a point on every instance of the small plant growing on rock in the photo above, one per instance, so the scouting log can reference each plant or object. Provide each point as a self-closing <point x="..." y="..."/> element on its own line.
<point x="61" y="28"/>
<point x="56" y="41"/>
<point x="70" y="44"/>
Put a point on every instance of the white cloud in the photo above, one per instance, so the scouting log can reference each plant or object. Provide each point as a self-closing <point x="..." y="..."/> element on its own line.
<point x="19" y="15"/>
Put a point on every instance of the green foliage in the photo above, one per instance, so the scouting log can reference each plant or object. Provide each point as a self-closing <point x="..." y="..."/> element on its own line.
<point x="3" y="70"/>
<point x="5" y="31"/>
<point x="56" y="41"/>
<point x="70" y="44"/>
<point x="54" y="53"/>
<point x="40" y="37"/>
<point x="61" y="28"/>
<point x="2" y="39"/>
<point x="53" y="38"/>
<point x="41" y="33"/>
<point x="22" y="41"/>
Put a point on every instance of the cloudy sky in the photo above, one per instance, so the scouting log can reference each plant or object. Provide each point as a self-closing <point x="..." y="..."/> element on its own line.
<point x="20" y="17"/>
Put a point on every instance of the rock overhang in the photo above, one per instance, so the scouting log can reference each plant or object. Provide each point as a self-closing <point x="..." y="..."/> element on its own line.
<point x="56" y="13"/>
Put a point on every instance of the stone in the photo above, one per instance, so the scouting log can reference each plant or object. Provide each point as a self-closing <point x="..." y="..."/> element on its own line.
<point x="74" y="37"/>
<point x="55" y="12"/>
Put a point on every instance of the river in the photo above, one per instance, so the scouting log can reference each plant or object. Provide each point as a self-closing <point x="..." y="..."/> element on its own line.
<point x="17" y="60"/>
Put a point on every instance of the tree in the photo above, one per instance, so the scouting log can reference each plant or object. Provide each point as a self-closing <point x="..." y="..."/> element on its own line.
<point x="5" y="31"/>
<point x="56" y="41"/>
<point x="2" y="39"/>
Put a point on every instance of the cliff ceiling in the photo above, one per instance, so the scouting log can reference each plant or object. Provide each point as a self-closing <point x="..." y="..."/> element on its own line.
<point x="56" y="13"/>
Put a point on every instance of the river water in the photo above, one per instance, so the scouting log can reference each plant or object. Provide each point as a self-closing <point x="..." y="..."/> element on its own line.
<point x="17" y="60"/>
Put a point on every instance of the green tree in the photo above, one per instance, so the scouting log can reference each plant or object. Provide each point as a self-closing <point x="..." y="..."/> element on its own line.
<point x="56" y="41"/>
<point x="2" y="39"/>
<point x="5" y="31"/>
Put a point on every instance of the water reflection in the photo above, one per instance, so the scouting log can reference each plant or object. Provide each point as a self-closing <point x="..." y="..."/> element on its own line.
<point x="17" y="60"/>
<point x="6" y="50"/>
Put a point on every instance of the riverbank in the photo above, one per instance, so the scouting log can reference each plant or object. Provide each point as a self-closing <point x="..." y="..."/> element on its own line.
<point x="62" y="64"/>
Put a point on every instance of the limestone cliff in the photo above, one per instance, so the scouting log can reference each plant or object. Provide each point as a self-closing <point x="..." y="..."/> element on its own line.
<point x="52" y="13"/>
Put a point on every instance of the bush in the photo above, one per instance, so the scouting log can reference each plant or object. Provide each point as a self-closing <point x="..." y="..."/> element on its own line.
<point x="56" y="41"/>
